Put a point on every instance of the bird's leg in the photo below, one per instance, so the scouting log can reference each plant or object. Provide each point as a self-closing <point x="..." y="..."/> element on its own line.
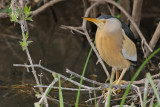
<point x="117" y="81"/>
<point x="122" y="74"/>
<point x="117" y="75"/>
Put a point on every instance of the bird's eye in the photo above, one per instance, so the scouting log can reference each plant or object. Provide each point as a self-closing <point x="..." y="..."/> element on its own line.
<point x="104" y="21"/>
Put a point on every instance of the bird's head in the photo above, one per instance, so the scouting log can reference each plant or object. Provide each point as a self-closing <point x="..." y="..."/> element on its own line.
<point x="111" y="25"/>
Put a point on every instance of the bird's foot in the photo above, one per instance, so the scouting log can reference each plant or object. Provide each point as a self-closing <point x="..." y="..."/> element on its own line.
<point x="116" y="82"/>
<point x="113" y="90"/>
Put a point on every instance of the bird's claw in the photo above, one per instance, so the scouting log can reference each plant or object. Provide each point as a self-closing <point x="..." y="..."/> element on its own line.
<point x="113" y="90"/>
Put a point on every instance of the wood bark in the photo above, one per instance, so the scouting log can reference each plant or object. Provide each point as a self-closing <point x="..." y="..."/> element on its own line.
<point x="136" y="15"/>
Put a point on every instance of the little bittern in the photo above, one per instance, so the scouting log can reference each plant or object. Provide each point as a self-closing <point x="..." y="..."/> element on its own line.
<point x="114" y="42"/>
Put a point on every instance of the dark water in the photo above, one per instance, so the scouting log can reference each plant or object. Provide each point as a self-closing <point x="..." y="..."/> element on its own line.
<point x="58" y="49"/>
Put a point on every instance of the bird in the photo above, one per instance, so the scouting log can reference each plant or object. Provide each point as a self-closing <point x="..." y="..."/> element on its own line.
<point x="115" y="43"/>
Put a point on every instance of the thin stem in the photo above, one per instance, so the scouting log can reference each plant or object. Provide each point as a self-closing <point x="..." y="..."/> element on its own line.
<point x="84" y="69"/>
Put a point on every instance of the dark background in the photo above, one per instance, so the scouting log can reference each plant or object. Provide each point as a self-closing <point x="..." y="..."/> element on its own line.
<point x="58" y="49"/>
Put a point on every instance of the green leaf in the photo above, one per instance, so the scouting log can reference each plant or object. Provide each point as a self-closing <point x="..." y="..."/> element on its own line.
<point x="26" y="35"/>
<point x="29" y="18"/>
<point x="29" y="8"/>
<point x="60" y="93"/>
<point x="14" y="15"/>
<point x="27" y="13"/>
<point x="54" y="75"/>
<point x="38" y="95"/>
<point x="118" y="16"/>
<point x="24" y="43"/>
<point x="118" y="1"/>
<point x="155" y="104"/>
<point x="36" y="104"/>
<point x="28" y="42"/>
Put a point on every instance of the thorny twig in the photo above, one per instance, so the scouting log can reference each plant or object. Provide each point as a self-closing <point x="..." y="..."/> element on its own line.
<point x="50" y="71"/>
<point x="24" y="29"/>
<point x="101" y="85"/>
<point x="86" y="79"/>
<point x="69" y="89"/>
<point x="139" y="94"/>
<point x="46" y="91"/>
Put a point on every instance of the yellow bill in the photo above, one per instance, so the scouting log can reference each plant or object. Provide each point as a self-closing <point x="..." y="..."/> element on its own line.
<point x="91" y="19"/>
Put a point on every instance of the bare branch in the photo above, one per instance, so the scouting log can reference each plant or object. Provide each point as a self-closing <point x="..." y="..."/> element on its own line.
<point x="77" y="29"/>
<point x="86" y="79"/>
<point x="126" y="5"/>
<point x="102" y="86"/>
<point x="46" y="91"/>
<point x="155" y="38"/>
<point x="142" y="81"/>
<point x="94" y="98"/>
<point x="50" y="71"/>
<point x="46" y="5"/>
<point x="85" y="4"/>
<point x="69" y="89"/>
<point x="4" y="15"/>
<point x="136" y="15"/>
<point x="139" y="94"/>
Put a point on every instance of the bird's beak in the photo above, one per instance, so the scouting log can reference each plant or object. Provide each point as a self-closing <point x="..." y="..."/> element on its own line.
<point x="94" y="20"/>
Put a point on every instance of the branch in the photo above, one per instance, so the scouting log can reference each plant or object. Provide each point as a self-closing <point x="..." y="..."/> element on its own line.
<point x="46" y="5"/>
<point x="136" y="15"/>
<point x="139" y="94"/>
<point x="46" y="91"/>
<point x="101" y="85"/>
<point x="50" y="71"/>
<point x="154" y="39"/>
<point x="126" y="5"/>
<point x="85" y="4"/>
<point x="142" y="81"/>
<point x="4" y="15"/>
<point x="86" y="88"/>
<point x="24" y="28"/>
<point x="85" y="79"/>
<point x="69" y="89"/>
<point x="77" y="29"/>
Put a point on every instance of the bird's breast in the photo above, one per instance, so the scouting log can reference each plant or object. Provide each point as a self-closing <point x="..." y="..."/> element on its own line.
<point x="109" y="47"/>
